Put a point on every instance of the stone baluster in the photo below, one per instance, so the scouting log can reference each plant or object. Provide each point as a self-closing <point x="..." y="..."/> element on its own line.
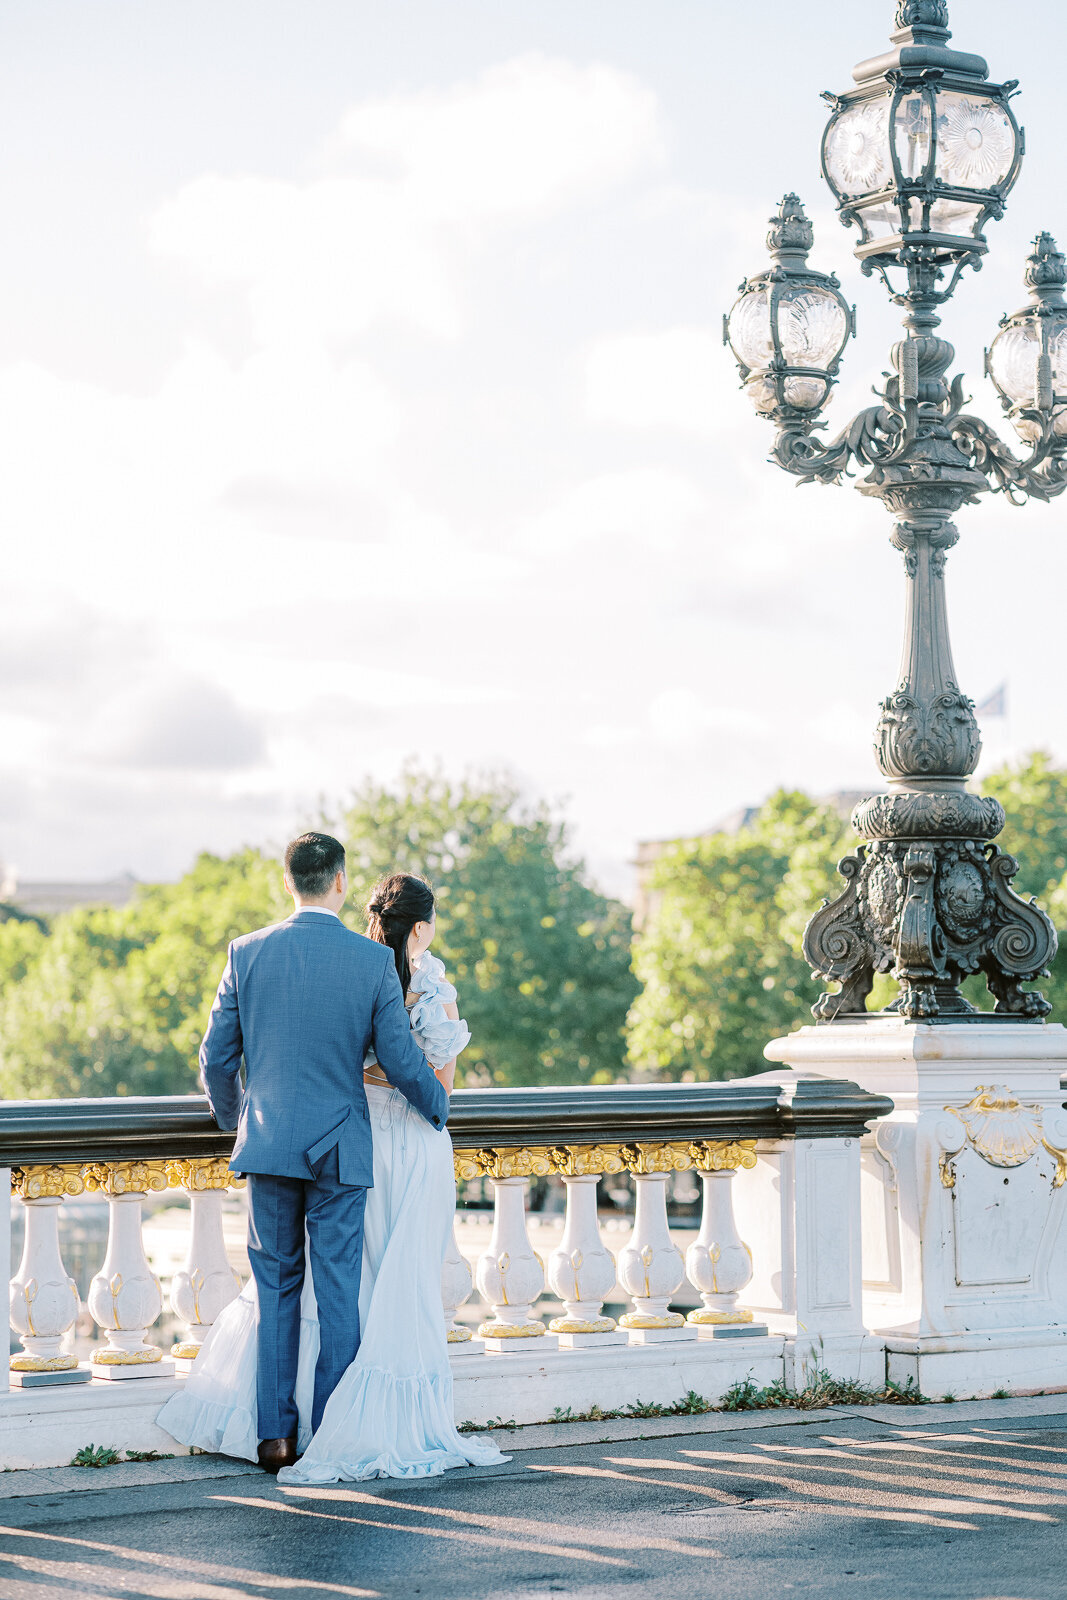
<point x="457" y="1280"/>
<point x="125" y="1297"/>
<point x="511" y="1276"/>
<point x="718" y="1263"/>
<point x="651" y="1268"/>
<point x="581" y="1270"/>
<point x="207" y="1283"/>
<point x="44" y="1297"/>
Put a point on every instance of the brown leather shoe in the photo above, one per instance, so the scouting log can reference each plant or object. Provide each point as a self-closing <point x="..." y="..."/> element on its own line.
<point x="276" y="1453"/>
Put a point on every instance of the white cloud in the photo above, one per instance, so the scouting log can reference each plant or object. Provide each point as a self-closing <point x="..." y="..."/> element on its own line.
<point x="180" y="723"/>
<point x="661" y="378"/>
<point x="647" y="507"/>
<point x="525" y="137"/>
<point x="680" y="716"/>
<point x="331" y="257"/>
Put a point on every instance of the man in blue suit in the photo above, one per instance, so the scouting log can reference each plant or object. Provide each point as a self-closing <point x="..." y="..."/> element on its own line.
<point x="301" y="1002"/>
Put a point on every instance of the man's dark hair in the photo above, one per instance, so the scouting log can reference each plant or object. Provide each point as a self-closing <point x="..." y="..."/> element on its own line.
<point x="313" y="862"/>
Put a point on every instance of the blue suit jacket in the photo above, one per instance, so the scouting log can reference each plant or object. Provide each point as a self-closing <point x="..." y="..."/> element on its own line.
<point x="301" y="1001"/>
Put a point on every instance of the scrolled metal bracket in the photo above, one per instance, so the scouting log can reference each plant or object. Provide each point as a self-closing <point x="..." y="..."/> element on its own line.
<point x="1042" y="475"/>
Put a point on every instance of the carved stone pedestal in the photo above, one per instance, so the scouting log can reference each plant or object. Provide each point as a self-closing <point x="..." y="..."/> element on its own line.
<point x="963" y="1199"/>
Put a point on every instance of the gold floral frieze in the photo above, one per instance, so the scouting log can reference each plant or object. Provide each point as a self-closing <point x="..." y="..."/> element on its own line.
<point x="589" y="1160"/>
<point x="723" y="1155"/>
<point x="199" y="1173"/>
<point x="56" y="1181"/>
<point x="115" y="1178"/>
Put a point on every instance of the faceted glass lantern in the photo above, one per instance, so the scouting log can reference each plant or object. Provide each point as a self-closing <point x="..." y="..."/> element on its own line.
<point x="1028" y="358"/>
<point x="925" y="149"/>
<point x="790" y="325"/>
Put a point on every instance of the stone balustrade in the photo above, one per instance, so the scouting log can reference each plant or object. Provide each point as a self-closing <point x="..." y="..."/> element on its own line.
<point x="793" y="1151"/>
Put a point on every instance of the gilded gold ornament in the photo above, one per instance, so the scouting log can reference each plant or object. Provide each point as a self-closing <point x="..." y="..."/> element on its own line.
<point x="126" y="1177"/>
<point x="185" y="1352"/>
<point x="514" y="1162"/>
<point x="511" y="1330"/>
<point x="703" y="1317"/>
<point x="1003" y="1132"/>
<point x="644" y="1159"/>
<point x="577" y="1325"/>
<point x="723" y="1155"/>
<point x="459" y="1335"/>
<point x="49" y="1182"/>
<point x="645" y="1319"/>
<point x="466" y="1165"/>
<point x="127" y="1358"/>
<point x="198" y="1173"/>
<point x="585" y="1160"/>
<point x="24" y="1363"/>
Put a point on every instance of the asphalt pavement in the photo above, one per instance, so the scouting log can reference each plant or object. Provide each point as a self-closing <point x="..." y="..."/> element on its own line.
<point x="963" y="1502"/>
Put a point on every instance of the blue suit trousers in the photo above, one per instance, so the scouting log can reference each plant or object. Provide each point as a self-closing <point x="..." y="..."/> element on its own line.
<point x="278" y="1209"/>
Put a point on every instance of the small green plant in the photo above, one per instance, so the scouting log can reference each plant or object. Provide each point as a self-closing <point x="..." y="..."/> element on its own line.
<point x="96" y="1455"/>
<point x="148" y="1455"/>
<point x="1000" y="1394"/>
<point x="691" y="1405"/>
<point x="948" y="1399"/>
<point x="643" y="1408"/>
<point x="820" y="1391"/>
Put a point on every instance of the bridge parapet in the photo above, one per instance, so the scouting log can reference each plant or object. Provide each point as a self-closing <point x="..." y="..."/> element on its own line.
<point x="794" y="1147"/>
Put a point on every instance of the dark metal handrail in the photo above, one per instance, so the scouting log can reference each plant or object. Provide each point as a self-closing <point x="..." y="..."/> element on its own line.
<point x="177" y="1126"/>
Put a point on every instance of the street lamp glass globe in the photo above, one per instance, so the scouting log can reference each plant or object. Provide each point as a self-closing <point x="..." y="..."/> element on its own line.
<point x="1028" y="358"/>
<point x="812" y="327"/>
<point x="750" y="330"/>
<point x="1013" y="366"/>
<point x="976" y="142"/>
<point x="857" y="148"/>
<point x="917" y="163"/>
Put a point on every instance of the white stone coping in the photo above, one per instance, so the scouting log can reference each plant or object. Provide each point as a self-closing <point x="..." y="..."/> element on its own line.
<point x="550" y="1436"/>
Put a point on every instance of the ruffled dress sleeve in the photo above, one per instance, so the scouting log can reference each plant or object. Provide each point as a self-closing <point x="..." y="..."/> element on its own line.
<point x="436" y="1034"/>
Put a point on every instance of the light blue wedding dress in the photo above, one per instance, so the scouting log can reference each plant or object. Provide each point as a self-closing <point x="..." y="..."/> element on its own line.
<point x="391" y="1414"/>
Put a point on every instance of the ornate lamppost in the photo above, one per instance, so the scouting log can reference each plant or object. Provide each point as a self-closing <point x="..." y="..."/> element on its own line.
<point x="920" y="155"/>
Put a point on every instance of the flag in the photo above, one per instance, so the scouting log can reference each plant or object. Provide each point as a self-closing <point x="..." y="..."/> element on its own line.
<point x="995" y="704"/>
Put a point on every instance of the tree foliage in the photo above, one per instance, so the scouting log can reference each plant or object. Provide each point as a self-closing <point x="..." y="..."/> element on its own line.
<point x="720" y="959"/>
<point x="115" y="1001"/>
<point x="541" y="959"/>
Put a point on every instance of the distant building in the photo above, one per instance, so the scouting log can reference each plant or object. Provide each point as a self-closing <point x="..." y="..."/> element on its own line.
<point x="47" y="898"/>
<point x="844" y="802"/>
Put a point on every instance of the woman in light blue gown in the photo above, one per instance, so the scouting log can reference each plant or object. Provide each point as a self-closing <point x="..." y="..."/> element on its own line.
<point x="391" y="1414"/>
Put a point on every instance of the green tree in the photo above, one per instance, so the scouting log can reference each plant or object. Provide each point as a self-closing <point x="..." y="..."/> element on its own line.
<point x="541" y="958"/>
<point x="115" y="1001"/>
<point x="1033" y="793"/>
<point x="720" y="960"/>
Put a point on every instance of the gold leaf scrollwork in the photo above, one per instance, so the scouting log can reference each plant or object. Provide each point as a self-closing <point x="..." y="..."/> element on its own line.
<point x="126" y="1177"/>
<point x="199" y="1173"/>
<point x="50" y="1182"/>
<point x="586" y="1160"/>
<point x="723" y="1155"/>
<point x="1059" y="1177"/>
<point x="644" y="1159"/>
<point x="514" y="1162"/>
<point x="466" y="1165"/>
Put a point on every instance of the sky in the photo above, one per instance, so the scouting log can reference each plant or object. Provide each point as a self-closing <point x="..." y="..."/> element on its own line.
<point x="362" y="399"/>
